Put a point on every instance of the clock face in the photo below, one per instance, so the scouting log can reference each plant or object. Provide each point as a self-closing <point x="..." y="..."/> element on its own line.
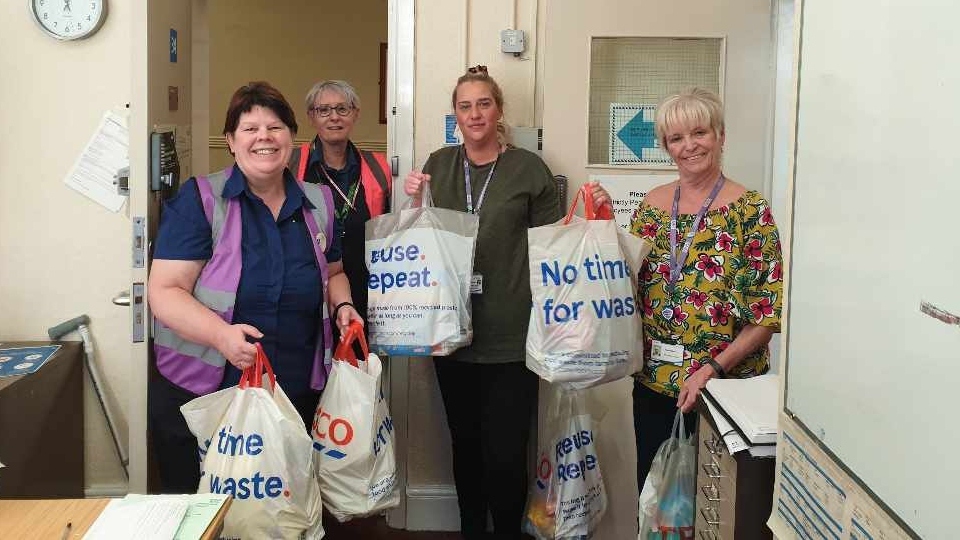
<point x="69" y="19"/>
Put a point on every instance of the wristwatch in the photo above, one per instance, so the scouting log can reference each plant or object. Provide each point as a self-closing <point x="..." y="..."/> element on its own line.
<point x="716" y="367"/>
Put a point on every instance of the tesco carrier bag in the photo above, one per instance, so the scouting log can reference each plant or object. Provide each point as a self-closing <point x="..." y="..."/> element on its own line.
<point x="566" y="498"/>
<point x="353" y="435"/>
<point x="253" y="446"/>
<point x="420" y="262"/>
<point x="585" y="327"/>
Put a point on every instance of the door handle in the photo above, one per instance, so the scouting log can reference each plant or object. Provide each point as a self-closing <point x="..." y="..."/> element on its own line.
<point x="122" y="298"/>
<point x="395" y="166"/>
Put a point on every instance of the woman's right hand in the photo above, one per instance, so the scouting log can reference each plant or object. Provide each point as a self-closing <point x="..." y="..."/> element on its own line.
<point x="413" y="185"/>
<point x="233" y="345"/>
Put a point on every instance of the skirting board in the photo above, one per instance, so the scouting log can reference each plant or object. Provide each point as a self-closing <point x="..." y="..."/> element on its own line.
<point x="432" y="508"/>
<point x="105" y="490"/>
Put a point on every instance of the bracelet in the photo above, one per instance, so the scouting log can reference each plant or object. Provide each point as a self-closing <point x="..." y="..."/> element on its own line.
<point x="716" y="367"/>
<point x="340" y="305"/>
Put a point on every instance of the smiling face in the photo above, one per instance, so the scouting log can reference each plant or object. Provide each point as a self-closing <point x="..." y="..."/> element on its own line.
<point x="477" y="112"/>
<point x="261" y="144"/>
<point x="695" y="149"/>
<point x="333" y="129"/>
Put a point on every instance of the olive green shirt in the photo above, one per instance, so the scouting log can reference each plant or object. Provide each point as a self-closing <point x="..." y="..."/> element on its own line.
<point x="522" y="193"/>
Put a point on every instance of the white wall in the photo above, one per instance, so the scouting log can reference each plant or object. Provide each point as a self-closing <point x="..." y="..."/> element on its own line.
<point x="61" y="254"/>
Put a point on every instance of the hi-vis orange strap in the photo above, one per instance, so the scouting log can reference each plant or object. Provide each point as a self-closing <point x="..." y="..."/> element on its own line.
<point x="253" y="375"/>
<point x="590" y="208"/>
<point x="345" y="351"/>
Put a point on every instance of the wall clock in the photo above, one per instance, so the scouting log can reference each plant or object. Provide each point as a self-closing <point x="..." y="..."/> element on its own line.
<point x="69" y="19"/>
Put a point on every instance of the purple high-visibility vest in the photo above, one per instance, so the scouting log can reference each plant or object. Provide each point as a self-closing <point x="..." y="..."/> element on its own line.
<point x="197" y="368"/>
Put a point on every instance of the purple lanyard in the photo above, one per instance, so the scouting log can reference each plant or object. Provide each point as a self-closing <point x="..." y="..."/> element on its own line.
<point x="676" y="263"/>
<point x="466" y="180"/>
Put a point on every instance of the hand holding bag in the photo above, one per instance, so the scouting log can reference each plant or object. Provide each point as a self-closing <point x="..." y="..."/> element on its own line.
<point x="254" y="447"/>
<point x="353" y="435"/>
<point x="585" y="325"/>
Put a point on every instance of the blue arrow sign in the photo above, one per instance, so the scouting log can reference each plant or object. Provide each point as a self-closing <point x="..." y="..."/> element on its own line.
<point x="638" y="134"/>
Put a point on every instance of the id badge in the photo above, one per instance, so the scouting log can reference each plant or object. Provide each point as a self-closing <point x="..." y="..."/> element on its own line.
<point x="666" y="353"/>
<point x="476" y="284"/>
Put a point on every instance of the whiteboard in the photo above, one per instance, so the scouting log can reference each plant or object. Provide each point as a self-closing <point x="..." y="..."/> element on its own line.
<point x="876" y="230"/>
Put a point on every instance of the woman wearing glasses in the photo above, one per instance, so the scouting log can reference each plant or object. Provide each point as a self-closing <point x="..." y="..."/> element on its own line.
<point x="488" y="392"/>
<point x="360" y="180"/>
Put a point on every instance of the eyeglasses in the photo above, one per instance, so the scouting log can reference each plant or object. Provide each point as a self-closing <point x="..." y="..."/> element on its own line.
<point x="326" y="110"/>
<point x="477" y="69"/>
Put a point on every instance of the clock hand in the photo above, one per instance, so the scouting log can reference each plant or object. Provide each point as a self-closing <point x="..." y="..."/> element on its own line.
<point x="66" y="5"/>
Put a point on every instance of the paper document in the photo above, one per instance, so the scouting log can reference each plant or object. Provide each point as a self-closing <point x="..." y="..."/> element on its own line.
<point x="199" y="510"/>
<point x="751" y="403"/>
<point x="105" y="154"/>
<point x="730" y="436"/>
<point x="147" y="518"/>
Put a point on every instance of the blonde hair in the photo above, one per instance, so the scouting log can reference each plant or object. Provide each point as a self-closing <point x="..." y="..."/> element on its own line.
<point x="690" y="108"/>
<point x="479" y="74"/>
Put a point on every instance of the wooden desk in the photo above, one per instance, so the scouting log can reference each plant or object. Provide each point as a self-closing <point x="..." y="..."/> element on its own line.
<point x="45" y="519"/>
<point x="41" y="426"/>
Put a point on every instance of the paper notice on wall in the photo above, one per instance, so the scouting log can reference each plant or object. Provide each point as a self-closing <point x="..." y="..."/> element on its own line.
<point x="815" y="498"/>
<point x="94" y="172"/>
<point x="628" y="190"/>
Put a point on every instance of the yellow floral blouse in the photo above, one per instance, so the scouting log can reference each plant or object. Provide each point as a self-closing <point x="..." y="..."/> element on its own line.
<point x="733" y="276"/>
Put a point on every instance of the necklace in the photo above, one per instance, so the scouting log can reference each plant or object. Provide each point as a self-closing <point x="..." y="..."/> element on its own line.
<point x="349" y="202"/>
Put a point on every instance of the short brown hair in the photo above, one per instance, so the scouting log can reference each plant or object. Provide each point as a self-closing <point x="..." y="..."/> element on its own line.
<point x="263" y="94"/>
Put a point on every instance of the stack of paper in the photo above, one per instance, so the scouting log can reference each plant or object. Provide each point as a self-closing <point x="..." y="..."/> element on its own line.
<point x="750" y="404"/>
<point x="157" y="517"/>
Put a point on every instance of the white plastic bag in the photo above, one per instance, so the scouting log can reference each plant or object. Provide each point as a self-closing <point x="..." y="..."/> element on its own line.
<point x="253" y="446"/>
<point x="669" y="491"/>
<point x="566" y="498"/>
<point x="585" y="325"/>
<point x="420" y="262"/>
<point x="353" y="436"/>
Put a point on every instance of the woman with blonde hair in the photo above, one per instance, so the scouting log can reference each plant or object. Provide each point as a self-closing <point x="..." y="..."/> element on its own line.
<point x="711" y="290"/>
<point x="488" y="392"/>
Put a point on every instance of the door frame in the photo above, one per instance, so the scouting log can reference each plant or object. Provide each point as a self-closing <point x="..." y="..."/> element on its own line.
<point x="400" y="137"/>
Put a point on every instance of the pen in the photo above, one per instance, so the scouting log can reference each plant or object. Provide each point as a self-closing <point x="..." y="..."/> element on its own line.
<point x="66" y="531"/>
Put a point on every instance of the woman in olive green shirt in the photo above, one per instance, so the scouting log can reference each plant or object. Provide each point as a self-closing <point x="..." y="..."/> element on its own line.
<point x="488" y="392"/>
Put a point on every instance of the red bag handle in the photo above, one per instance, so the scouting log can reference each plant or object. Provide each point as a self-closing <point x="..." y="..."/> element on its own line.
<point x="344" y="350"/>
<point x="590" y="208"/>
<point x="253" y="375"/>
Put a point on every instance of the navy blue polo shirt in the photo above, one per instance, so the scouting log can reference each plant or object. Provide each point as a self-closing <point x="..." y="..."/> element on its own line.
<point x="280" y="291"/>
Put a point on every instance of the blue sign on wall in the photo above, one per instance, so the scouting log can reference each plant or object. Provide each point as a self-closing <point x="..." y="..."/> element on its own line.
<point x="173" y="46"/>
<point x="450" y="130"/>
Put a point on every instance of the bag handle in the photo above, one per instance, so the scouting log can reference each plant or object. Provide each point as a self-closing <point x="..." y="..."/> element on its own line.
<point x="345" y="350"/>
<point x="590" y="208"/>
<point x="253" y="375"/>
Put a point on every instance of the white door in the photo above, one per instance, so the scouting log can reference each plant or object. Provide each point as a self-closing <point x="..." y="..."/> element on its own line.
<point x="160" y="99"/>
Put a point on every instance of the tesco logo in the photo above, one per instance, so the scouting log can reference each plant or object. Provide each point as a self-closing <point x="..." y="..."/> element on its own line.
<point x="338" y="431"/>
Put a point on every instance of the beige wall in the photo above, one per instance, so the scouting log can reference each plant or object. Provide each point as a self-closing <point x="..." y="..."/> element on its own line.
<point x="294" y="44"/>
<point x="62" y="254"/>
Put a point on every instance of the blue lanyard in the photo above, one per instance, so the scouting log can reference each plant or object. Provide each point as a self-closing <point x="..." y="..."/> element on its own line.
<point x="676" y="263"/>
<point x="469" y="186"/>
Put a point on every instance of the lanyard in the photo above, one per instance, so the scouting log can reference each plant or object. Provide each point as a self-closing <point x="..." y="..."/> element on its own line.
<point x="676" y="263"/>
<point x="349" y="203"/>
<point x="483" y="192"/>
